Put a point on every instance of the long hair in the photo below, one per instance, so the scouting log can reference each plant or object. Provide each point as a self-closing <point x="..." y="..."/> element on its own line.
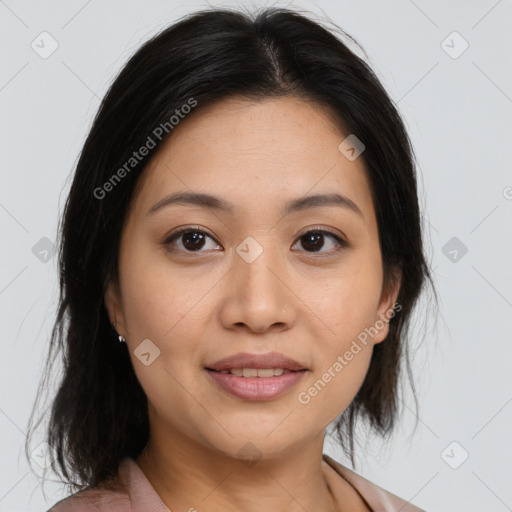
<point x="99" y="414"/>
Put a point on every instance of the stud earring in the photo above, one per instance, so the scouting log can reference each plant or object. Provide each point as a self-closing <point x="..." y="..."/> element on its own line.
<point x="121" y="338"/>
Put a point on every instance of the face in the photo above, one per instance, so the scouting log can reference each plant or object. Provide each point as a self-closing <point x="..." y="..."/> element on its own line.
<point x="250" y="277"/>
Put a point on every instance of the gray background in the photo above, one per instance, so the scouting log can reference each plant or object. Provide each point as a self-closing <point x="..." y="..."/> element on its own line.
<point x="457" y="109"/>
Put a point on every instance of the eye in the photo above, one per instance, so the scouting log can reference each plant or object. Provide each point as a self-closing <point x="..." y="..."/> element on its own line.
<point x="314" y="241"/>
<point x="190" y="240"/>
<point x="187" y="240"/>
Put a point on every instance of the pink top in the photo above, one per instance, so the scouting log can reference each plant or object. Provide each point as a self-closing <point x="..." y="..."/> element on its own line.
<point x="138" y="495"/>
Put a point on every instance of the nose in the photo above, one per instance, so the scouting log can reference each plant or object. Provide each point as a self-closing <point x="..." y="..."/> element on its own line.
<point x="258" y="296"/>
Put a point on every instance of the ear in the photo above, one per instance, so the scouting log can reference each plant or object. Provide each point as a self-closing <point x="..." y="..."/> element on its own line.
<point x="387" y="306"/>
<point x="113" y="306"/>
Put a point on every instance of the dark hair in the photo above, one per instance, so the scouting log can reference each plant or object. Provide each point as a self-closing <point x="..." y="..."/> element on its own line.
<point x="99" y="414"/>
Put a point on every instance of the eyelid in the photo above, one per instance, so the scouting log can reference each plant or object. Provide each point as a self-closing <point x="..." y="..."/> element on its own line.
<point x="323" y="229"/>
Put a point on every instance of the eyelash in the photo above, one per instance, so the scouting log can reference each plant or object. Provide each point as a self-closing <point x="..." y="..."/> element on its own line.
<point x="342" y="244"/>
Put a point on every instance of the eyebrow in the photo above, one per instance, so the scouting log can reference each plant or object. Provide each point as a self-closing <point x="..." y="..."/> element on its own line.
<point x="295" y="205"/>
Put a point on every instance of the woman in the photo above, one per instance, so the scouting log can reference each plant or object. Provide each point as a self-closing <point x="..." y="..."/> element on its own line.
<point x="241" y="252"/>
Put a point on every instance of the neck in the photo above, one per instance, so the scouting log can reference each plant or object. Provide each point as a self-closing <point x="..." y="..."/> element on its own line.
<point x="188" y="476"/>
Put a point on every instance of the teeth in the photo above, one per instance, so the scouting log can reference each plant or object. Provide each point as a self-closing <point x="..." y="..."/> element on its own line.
<point x="255" y="372"/>
<point x="267" y="372"/>
<point x="249" y="372"/>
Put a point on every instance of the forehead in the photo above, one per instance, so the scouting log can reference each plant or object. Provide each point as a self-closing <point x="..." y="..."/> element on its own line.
<point x="254" y="153"/>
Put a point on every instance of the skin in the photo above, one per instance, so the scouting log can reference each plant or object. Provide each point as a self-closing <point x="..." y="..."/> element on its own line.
<point x="200" y="306"/>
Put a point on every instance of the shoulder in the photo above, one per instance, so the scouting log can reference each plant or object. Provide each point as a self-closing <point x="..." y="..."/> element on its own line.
<point x="128" y="491"/>
<point x="378" y="498"/>
<point x="95" y="499"/>
<point x="111" y="497"/>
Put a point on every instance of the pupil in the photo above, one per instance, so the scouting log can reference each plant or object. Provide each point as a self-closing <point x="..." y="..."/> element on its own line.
<point x="315" y="237"/>
<point x="197" y="240"/>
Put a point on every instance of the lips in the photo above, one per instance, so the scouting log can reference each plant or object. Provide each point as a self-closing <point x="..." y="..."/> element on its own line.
<point x="256" y="377"/>
<point x="257" y="361"/>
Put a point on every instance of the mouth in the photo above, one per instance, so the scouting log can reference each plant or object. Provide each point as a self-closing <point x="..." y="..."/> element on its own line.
<point x="254" y="372"/>
<point x="255" y="384"/>
<point x="256" y="376"/>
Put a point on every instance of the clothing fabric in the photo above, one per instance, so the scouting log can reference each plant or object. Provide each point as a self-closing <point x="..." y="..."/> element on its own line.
<point x="136" y="494"/>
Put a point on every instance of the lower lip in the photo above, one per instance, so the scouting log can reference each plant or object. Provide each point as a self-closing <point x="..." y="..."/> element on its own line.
<point x="256" y="388"/>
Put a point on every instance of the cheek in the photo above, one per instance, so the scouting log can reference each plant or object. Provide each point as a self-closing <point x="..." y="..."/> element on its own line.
<point x="330" y="390"/>
<point x="348" y="306"/>
<point x="160" y="299"/>
<point x="168" y="306"/>
<point x="158" y="305"/>
<point x="349" y="303"/>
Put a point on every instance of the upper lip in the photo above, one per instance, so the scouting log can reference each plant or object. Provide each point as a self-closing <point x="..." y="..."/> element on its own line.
<point x="246" y="360"/>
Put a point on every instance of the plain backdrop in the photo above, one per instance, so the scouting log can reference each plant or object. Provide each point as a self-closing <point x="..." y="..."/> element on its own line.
<point x="447" y="66"/>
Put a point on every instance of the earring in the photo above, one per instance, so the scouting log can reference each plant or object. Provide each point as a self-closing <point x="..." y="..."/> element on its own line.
<point x="121" y="338"/>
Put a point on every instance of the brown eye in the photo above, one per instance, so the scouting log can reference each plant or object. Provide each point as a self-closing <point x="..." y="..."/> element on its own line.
<point x="315" y="240"/>
<point x="193" y="240"/>
<point x="187" y="240"/>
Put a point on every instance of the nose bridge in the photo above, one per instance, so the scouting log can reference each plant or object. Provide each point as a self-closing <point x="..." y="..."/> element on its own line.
<point x="257" y="263"/>
<point x="261" y="295"/>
